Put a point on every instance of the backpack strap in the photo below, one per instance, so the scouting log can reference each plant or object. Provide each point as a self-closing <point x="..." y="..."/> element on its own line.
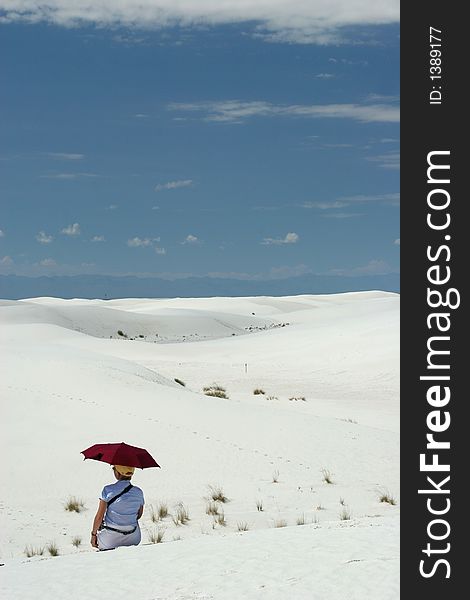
<point x="120" y="494"/>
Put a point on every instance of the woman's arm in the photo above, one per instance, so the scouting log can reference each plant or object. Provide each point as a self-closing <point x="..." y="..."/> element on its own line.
<point x="139" y="512"/>
<point x="97" y="522"/>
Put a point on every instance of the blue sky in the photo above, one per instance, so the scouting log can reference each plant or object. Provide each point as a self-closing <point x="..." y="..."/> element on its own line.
<point x="227" y="142"/>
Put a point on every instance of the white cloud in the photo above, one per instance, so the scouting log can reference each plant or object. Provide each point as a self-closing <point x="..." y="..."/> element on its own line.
<point x="324" y="205"/>
<point x="171" y="185"/>
<point x="309" y="21"/>
<point x="1" y="233"/>
<point x="98" y="238"/>
<point x="397" y="242"/>
<point x="290" y="238"/>
<point x="191" y="239"/>
<point x="391" y="199"/>
<point x="325" y="76"/>
<point x="43" y="238"/>
<point x="373" y="267"/>
<point x="137" y="242"/>
<point x="65" y="155"/>
<point x="6" y="261"/>
<point x="48" y="262"/>
<point x="391" y="160"/>
<point x="71" y="230"/>
<point x="160" y="250"/>
<point x="140" y="116"/>
<point x="68" y="176"/>
<point x="234" y="111"/>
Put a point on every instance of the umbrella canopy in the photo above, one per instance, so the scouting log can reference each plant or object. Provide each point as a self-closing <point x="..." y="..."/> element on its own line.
<point x="121" y="454"/>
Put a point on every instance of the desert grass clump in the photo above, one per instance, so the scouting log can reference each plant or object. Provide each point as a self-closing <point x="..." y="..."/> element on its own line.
<point x="387" y="497"/>
<point x="280" y="523"/>
<point x="76" y="541"/>
<point x="156" y="535"/>
<point x="242" y="526"/>
<point x="345" y="514"/>
<point x="215" y="390"/>
<point x="220" y="519"/>
<point x="300" y="520"/>
<point x="159" y="513"/>
<point x="258" y="391"/>
<point x="327" y="478"/>
<point x="259" y="505"/>
<point x="53" y="549"/>
<point x="181" y="516"/>
<point x="296" y="398"/>
<point x="217" y="494"/>
<point x="341" y="501"/>
<point x="271" y="397"/>
<point x="275" y="477"/>
<point x="212" y="508"/>
<point x="30" y="551"/>
<point x="74" y="504"/>
<point x="180" y="382"/>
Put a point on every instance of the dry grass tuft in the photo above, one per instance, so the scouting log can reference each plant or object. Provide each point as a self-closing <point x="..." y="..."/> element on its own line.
<point x="181" y="516"/>
<point x="258" y="391"/>
<point x="76" y="541"/>
<point x="156" y="535"/>
<point x="386" y="496"/>
<point x="345" y="514"/>
<point x="217" y="494"/>
<point x="259" y="505"/>
<point x="30" y="551"/>
<point x="215" y="390"/>
<point x="276" y="476"/>
<point x="242" y="526"/>
<point x="327" y="478"/>
<point x="280" y="523"/>
<point x="74" y="504"/>
<point x="53" y="549"/>
<point x="212" y="508"/>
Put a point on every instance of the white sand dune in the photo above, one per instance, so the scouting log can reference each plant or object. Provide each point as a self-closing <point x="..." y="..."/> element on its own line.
<point x="329" y="369"/>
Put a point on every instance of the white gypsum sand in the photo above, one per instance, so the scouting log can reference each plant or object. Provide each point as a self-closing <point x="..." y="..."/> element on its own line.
<point x="328" y="367"/>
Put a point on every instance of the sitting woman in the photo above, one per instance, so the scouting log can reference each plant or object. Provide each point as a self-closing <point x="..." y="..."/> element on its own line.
<point x="116" y="520"/>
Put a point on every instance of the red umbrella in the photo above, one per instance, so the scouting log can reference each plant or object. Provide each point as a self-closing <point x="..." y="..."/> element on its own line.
<point x="121" y="454"/>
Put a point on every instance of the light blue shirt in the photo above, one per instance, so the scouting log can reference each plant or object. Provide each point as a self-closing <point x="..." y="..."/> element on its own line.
<point x="123" y="511"/>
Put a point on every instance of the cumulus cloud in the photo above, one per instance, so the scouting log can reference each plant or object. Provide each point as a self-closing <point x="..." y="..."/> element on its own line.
<point x="138" y="242"/>
<point x="160" y="250"/>
<point x="43" y="238"/>
<point x="172" y="185"/>
<point x="319" y="22"/>
<point x="48" y="262"/>
<point x="191" y="239"/>
<point x="71" y="230"/>
<point x="290" y="238"/>
<point x="236" y="111"/>
<point x="98" y="238"/>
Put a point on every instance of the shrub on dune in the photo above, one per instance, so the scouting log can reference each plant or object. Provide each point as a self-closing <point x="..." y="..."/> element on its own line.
<point x="74" y="504"/>
<point x="215" y="390"/>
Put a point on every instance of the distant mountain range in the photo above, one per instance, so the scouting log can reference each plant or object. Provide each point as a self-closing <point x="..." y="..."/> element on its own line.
<point x="15" y="287"/>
